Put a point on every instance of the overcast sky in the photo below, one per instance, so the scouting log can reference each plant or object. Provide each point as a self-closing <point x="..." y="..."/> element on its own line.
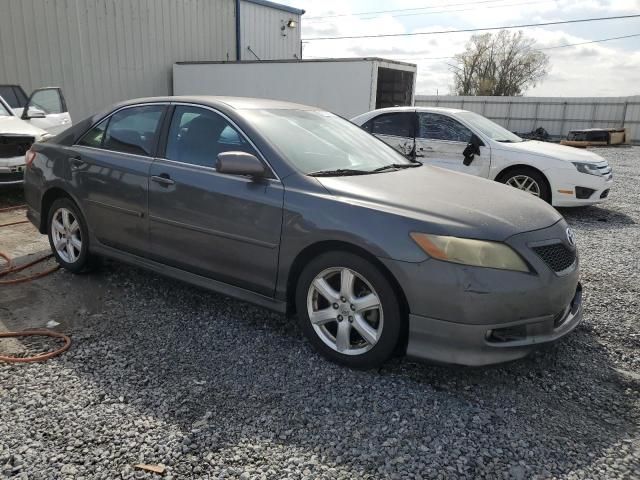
<point x="609" y="68"/>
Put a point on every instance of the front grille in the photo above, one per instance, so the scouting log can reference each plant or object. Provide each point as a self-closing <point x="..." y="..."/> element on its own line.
<point x="11" y="177"/>
<point x="14" y="145"/>
<point x="557" y="256"/>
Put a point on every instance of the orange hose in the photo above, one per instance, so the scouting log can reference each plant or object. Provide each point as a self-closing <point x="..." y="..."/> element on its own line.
<point x="9" y="268"/>
<point x="42" y="356"/>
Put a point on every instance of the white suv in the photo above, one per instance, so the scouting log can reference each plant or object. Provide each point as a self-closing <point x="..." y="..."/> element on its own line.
<point x="467" y="142"/>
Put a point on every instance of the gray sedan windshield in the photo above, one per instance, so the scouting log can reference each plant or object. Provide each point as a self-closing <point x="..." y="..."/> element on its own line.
<point x="321" y="141"/>
<point x="489" y="128"/>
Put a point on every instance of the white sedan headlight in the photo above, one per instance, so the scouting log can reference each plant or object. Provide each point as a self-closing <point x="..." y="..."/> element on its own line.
<point x="467" y="251"/>
<point x="588" y="168"/>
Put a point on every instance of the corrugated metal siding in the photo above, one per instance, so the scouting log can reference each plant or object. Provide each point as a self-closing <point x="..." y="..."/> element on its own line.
<point x="261" y="29"/>
<point x="557" y="115"/>
<point x="104" y="51"/>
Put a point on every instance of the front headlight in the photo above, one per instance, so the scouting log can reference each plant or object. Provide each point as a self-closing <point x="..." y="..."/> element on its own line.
<point x="467" y="251"/>
<point x="588" y="168"/>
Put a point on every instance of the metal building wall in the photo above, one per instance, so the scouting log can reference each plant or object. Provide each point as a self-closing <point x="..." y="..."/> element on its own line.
<point x="261" y="30"/>
<point x="557" y="115"/>
<point x="104" y="51"/>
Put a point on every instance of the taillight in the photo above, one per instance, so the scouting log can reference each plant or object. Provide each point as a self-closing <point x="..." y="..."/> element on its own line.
<point x="29" y="157"/>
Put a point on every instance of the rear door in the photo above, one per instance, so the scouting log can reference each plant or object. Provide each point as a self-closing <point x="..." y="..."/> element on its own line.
<point x="47" y="109"/>
<point x="441" y="139"/>
<point x="397" y="129"/>
<point x="221" y="226"/>
<point x="110" y="165"/>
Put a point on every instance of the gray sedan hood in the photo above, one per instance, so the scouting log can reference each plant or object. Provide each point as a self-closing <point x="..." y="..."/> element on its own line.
<point x="446" y="202"/>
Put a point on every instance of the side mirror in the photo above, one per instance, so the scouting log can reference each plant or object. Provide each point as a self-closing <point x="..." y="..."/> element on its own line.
<point x="33" y="113"/>
<point x="240" y="163"/>
<point x="472" y="149"/>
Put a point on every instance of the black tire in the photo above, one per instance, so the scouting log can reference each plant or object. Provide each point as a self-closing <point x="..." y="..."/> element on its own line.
<point x="83" y="262"/>
<point x="390" y="311"/>
<point x="539" y="178"/>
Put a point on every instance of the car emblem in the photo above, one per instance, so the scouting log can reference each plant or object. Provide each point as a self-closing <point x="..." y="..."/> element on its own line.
<point x="571" y="237"/>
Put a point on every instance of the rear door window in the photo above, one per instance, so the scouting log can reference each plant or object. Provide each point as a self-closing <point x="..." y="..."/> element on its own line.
<point x="134" y="130"/>
<point x="393" y="124"/>
<point x="433" y="126"/>
<point x="93" y="138"/>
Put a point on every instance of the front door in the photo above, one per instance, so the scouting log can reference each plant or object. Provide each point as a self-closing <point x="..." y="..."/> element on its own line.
<point x="440" y="141"/>
<point x="110" y="167"/>
<point x="47" y="109"/>
<point x="222" y="226"/>
<point x="396" y="129"/>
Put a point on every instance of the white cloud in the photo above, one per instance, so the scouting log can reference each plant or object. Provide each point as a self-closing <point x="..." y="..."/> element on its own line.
<point x="589" y="70"/>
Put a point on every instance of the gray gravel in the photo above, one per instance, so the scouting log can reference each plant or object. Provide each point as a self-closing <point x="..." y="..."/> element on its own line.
<point x="163" y="373"/>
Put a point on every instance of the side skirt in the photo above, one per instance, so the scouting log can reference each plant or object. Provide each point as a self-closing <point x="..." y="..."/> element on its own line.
<point x="192" y="278"/>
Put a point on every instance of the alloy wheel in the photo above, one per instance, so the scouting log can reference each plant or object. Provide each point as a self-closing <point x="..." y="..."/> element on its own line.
<point x="66" y="234"/>
<point x="524" y="183"/>
<point x="345" y="311"/>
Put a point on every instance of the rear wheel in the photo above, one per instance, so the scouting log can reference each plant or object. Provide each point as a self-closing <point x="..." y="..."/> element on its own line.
<point x="69" y="236"/>
<point x="528" y="180"/>
<point x="348" y="310"/>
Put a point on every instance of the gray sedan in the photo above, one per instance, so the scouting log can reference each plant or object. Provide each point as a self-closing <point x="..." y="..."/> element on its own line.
<point x="300" y="211"/>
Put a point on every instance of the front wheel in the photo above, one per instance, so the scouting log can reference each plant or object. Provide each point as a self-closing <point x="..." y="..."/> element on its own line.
<point x="348" y="310"/>
<point x="528" y="180"/>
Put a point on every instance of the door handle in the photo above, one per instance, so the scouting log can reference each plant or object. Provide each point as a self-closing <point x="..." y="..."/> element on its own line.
<point x="163" y="179"/>
<point x="76" y="163"/>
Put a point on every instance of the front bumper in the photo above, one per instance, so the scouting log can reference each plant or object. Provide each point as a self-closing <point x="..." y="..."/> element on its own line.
<point x="12" y="171"/>
<point x="452" y="307"/>
<point x="565" y="193"/>
<point x="478" y="345"/>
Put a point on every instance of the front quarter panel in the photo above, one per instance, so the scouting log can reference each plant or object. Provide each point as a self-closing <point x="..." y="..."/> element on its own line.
<point x="312" y="215"/>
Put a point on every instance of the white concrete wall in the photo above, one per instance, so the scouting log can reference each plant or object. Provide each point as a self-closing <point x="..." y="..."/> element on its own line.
<point x="557" y="115"/>
<point x="104" y="51"/>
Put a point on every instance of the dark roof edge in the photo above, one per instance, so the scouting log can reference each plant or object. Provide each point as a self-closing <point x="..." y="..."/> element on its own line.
<point x="304" y="60"/>
<point x="278" y="6"/>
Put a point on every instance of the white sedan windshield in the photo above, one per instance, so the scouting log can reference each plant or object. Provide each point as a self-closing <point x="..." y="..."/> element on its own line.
<point x="315" y="140"/>
<point x="489" y="128"/>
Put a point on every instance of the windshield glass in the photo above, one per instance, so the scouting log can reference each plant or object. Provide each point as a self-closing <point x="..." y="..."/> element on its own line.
<point x="317" y="140"/>
<point x="3" y="111"/>
<point x="489" y="128"/>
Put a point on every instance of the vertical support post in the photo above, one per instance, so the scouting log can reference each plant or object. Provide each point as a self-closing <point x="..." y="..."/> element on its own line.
<point x="564" y="118"/>
<point x="624" y="113"/>
<point x="593" y="114"/>
<point x="238" y="42"/>
<point x="535" y="116"/>
<point x="508" y="114"/>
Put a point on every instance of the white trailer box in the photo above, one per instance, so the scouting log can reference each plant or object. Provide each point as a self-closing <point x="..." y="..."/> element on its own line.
<point x="347" y="87"/>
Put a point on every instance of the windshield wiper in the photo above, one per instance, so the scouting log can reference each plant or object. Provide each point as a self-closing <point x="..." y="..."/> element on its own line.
<point x="338" y="172"/>
<point x="396" y="166"/>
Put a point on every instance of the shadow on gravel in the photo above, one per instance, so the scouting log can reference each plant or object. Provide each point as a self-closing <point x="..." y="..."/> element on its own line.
<point x="228" y="374"/>
<point x="594" y="215"/>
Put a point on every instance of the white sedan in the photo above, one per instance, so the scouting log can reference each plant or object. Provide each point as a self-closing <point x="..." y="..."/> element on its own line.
<point x="467" y="142"/>
<point x="16" y="137"/>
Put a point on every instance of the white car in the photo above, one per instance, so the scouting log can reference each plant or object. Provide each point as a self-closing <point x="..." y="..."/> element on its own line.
<point x="467" y="142"/>
<point x="46" y="108"/>
<point x="16" y="137"/>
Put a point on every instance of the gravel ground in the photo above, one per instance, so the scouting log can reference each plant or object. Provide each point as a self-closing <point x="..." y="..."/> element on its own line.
<point x="163" y="373"/>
